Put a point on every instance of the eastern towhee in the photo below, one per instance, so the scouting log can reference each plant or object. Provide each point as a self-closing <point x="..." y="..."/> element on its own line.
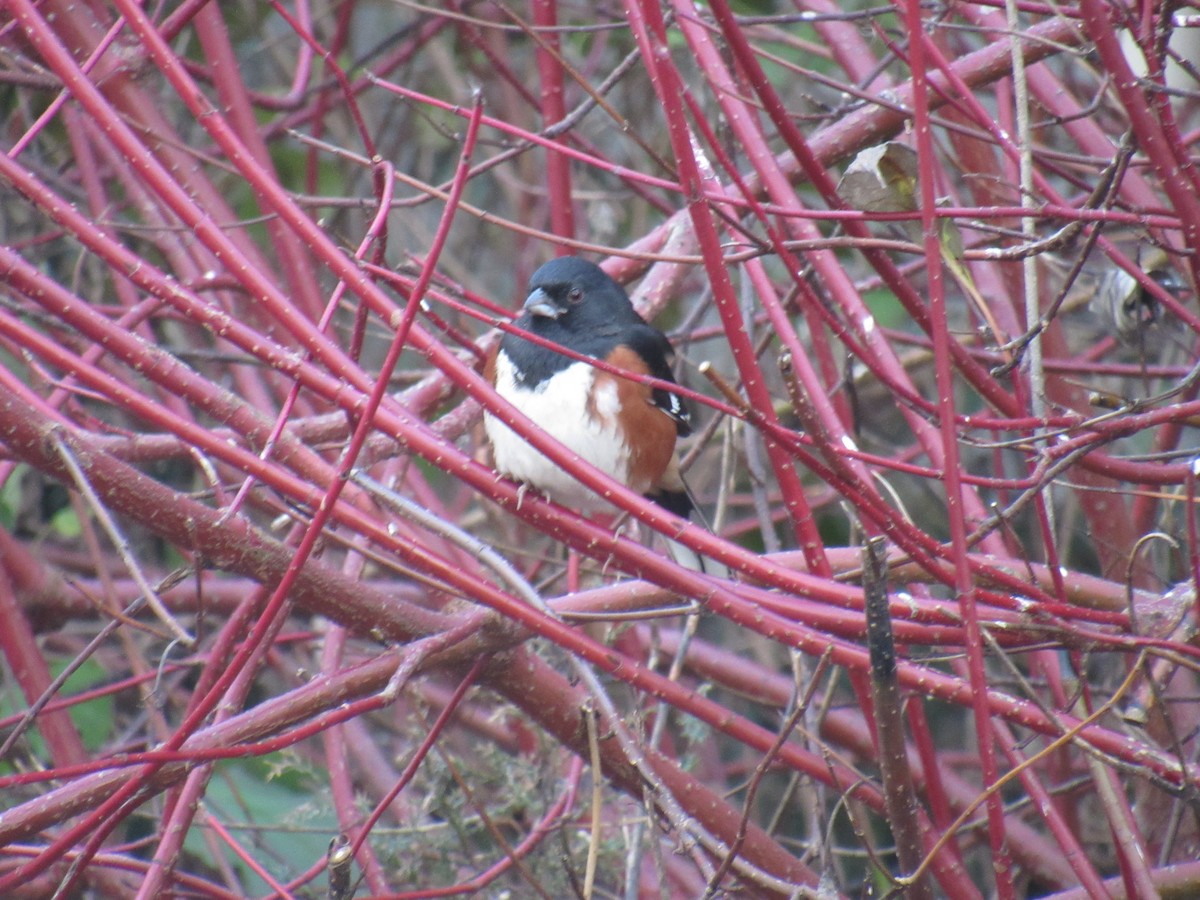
<point x="622" y="427"/>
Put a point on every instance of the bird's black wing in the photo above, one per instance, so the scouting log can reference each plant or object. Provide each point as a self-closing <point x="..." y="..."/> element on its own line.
<point x="653" y="347"/>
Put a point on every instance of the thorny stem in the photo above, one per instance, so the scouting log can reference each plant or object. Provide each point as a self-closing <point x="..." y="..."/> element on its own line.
<point x="200" y="331"/>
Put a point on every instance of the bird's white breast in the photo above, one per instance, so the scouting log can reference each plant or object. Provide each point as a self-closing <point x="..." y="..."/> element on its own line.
<point x="557" y="406"/>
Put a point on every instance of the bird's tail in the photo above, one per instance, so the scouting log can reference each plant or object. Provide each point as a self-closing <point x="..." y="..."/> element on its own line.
<point x="683" y="505"/>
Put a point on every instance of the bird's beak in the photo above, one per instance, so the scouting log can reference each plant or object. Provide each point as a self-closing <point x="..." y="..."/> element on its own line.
<point x="540" y="304"/>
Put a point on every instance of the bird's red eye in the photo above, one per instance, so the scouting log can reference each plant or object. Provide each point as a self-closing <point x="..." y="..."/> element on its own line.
<point x="575" y="295"/>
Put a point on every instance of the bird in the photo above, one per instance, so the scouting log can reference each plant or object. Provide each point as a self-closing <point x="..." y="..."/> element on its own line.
<point x="625" y="428"/>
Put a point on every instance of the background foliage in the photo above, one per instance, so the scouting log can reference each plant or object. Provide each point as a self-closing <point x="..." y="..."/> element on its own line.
<point x="251" y="254"/>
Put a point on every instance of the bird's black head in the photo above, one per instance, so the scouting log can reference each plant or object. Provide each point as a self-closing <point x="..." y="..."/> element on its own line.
<point x="574" y="304"/>
<point x="573" y="294"/>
